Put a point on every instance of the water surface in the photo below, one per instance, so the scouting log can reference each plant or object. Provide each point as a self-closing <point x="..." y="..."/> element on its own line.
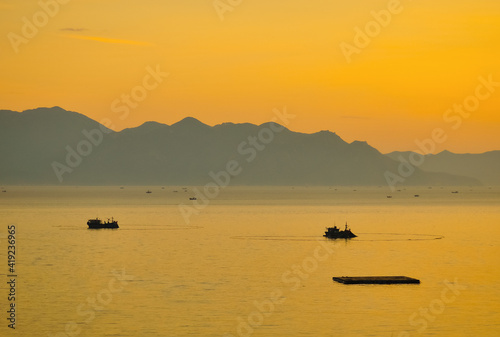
<point x="253" y="262"/>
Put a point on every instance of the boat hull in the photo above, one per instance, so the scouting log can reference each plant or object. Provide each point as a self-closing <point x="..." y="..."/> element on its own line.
<point x="340" y="235"/>
<point x="108" y="226"/>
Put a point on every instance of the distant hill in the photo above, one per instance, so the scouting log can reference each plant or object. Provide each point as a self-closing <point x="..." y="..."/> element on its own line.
<point x="31" y="140"/>
<point x="484" y="167"/>
<point x="35" y="144"/>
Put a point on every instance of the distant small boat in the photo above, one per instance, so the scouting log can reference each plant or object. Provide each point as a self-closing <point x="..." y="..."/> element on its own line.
<point x="336" y="233"/>
<point x="389" y="196"/>
<point x="416" y="195"/>
<point x="4" y="191"/>
<point x="193" y="198"/>
<point x="454" y="192"/>
<point x="148" y="192"/>
<point x="98" y="223"/>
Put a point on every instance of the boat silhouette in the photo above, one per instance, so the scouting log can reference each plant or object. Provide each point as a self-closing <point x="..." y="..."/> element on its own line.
<point x="335" y="233"/>
<point x="98" y="223"/>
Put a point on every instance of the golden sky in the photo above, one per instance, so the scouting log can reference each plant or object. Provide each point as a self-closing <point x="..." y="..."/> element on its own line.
<point x="235" y="61"/>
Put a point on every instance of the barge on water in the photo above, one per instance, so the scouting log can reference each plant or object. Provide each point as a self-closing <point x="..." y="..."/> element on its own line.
<point x="376" y="280"/>
<point x="98" y="223"/>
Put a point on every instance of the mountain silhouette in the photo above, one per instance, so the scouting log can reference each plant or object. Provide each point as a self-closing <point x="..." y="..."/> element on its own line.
<point x="52" y="146"/>
<point x="484" y="167"/>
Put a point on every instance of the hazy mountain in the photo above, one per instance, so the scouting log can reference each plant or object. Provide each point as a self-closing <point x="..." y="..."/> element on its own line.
<point x="37" y="146"/>
<point x="31" y="140"/>
<point x="484" y="167"/>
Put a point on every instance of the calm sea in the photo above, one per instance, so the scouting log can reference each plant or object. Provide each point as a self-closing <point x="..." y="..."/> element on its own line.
<point x="251" y="262"/>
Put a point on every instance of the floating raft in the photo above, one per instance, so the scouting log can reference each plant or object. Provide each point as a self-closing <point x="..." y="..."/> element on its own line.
<point x="376" y="280"/>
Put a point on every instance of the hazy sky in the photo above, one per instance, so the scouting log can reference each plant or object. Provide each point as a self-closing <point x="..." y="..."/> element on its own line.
<point x="391" y="84"/>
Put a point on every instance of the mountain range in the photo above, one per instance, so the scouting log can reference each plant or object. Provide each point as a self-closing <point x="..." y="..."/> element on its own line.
<point x="52" y="146"/>
<point x="485" y="167"/>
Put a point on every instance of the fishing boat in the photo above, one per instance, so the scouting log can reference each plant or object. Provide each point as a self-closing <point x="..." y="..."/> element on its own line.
<point x="98" y="223"/>
<point x="335" y="233"/>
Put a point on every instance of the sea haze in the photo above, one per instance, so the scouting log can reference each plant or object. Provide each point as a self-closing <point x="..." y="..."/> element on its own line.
<point x="253" y="261"/>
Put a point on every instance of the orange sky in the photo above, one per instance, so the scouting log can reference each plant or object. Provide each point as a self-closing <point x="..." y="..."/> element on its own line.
<point x="84" y="55"/>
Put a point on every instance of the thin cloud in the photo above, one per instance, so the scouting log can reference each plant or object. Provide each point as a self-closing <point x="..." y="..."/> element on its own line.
<point x="107" y="40"/>
<point x="69" y="29"/>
